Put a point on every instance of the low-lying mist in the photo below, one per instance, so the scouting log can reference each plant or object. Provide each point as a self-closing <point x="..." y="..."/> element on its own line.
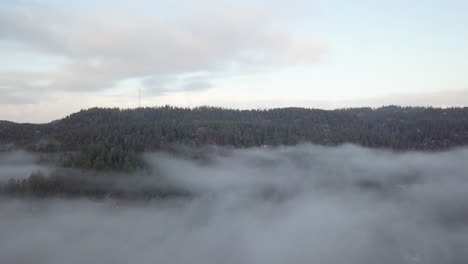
<point x="19" y="165"/>
<point x="302" y="204"/>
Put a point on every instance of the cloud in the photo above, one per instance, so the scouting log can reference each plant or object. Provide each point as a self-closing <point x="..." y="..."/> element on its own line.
<point x="105" y="49"/>
<point x="16" y="89"/>
<point x="19" y="165"/>
<point x="302" y="204"/>
<point x="14" y="99"/>
<point x="158" y="85"/>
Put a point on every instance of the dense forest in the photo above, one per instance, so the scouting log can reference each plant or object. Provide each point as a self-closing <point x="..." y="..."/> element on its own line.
<point x="68" y="183"/>
<point x="103" y="140"/>
<point x="111" y="138"/>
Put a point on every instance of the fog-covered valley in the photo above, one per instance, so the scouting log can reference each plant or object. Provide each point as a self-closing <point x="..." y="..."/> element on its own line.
<point x="299" y="204"/>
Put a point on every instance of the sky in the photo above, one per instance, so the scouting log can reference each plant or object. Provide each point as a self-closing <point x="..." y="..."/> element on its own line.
<point x="57" y="57"/>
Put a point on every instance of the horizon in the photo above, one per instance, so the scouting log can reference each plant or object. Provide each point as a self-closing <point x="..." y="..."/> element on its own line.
<point x="60" y="57"/>
<point x="233" y="109"/>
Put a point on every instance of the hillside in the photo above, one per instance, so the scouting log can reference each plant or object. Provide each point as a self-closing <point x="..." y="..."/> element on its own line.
<point x="101" y="139"/>
<point x="401" y="128"/>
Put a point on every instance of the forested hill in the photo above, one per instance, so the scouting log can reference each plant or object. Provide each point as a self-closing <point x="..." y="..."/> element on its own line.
<point x="143" y="129"/>
<point x="111" y="139"/>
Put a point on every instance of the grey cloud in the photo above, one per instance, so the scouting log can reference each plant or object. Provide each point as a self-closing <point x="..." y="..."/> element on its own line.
<point x="9" y="98"/>
<point x="33" y="26"/>
<point x="103" y="50"/>
<point x="16" y="89"/>
<point x="158" y="85"/>
<point x="158" y="81"/>
<point x="303" y="204"/>
<point x="196" y="85"/>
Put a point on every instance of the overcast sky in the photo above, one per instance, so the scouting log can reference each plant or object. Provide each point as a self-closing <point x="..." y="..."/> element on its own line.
<point x="58" y="57"/>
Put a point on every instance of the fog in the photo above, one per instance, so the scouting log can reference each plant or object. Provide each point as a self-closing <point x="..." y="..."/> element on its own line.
<point x="302" y="204"/>
<point x="19" y="165"/>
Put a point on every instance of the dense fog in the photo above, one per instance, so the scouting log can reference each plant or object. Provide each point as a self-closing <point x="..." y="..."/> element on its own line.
<point x="302" y="204"/>
<point x="19" y="165"/>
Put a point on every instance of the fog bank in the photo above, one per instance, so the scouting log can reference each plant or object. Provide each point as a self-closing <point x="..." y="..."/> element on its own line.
<point x="19" y="165"/>
<point x="303" y="204"/>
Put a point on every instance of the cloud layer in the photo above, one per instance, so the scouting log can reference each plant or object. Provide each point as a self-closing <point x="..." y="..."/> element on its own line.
<point x="304" y="204"/>
<point x="99" y="51"/>
<point x="19" y="165"/>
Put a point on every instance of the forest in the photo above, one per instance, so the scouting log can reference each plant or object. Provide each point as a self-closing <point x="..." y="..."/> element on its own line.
<point x="112" y="139"/>
<point x="96" y="151"/>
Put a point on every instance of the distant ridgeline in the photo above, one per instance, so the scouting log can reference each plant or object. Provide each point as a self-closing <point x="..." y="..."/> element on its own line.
<point x="104" y="138"/>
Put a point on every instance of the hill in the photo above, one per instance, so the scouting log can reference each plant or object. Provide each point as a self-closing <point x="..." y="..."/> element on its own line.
<point x="110" y="137"/>
<point x="142" y="129"/>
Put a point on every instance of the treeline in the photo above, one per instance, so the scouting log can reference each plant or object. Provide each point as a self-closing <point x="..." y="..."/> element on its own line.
<point x="111" y="138"/>
<point x="102" y="157"/>
<point x="66" y="183"/>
